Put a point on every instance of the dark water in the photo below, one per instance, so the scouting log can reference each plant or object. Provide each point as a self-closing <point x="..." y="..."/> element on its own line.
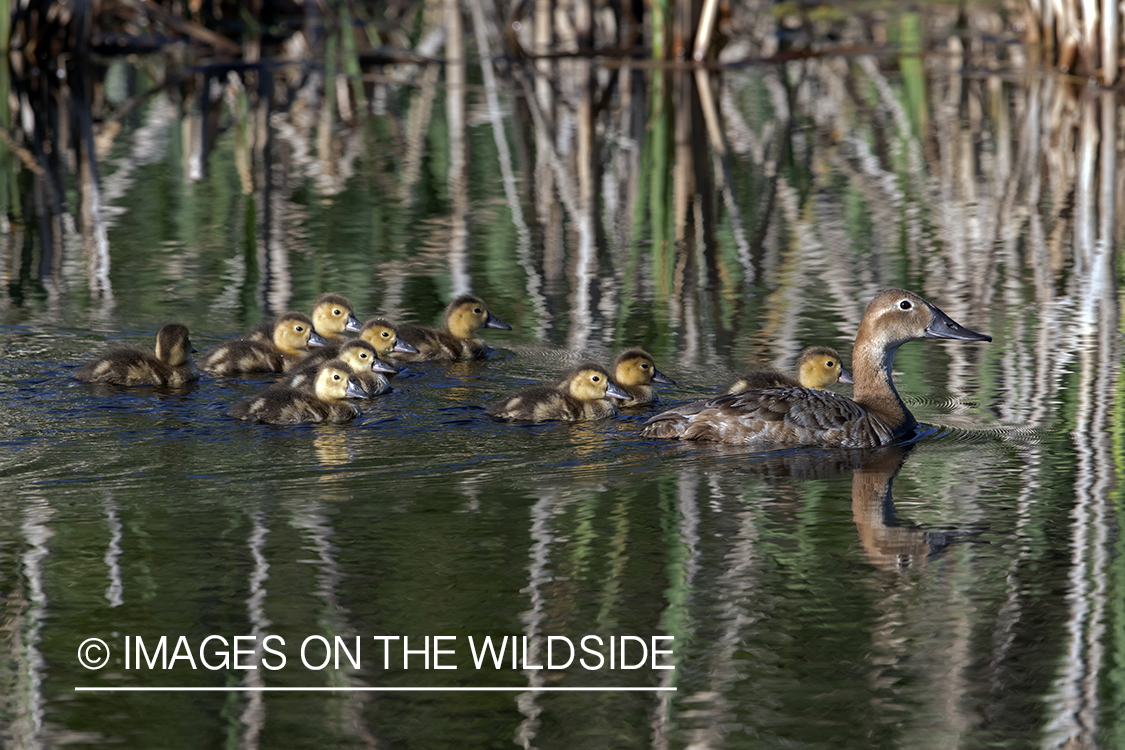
<point x="976" y="602"/>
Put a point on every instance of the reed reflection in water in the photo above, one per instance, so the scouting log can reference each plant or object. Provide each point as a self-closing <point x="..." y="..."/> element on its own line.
<point x="715" y="217"/>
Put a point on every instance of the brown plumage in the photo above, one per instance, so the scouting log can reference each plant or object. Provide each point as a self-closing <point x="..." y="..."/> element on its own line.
<point x="635" y="372"/>
<point x="817" y="367"/>
<point x="169" y="366"/>
<point x="803" y="416"/>
<point x="281" y="404"/>
<point x="293" y="334"/>
<point x="457" y="339"/>
<point x="331" y="316"/>
<point x="359" y="355"/>
<point x="381" y="334"/>
<point x="583" y="395"/>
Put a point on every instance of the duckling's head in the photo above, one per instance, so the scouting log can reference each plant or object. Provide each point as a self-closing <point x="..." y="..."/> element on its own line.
<point x="820" y="366"/>
<point x="896" y="316"/>
<point x="468" y="314"/>
<point x="172" y="344"/>
<point x="591" y="382"/>
<point x="293" y="332"/>
<point x="335" y="380"/>
<point x="636" y="367"/>
<point x="381" y="334"/>
<point x="332" y="315"/>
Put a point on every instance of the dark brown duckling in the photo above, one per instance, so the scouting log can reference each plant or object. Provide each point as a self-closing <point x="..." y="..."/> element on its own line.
<point x="281" y="404"/>
<point x="170" y="366"/>
<point x="817" y="367"/>
<point x="293" y="334"/>
<point x="381" y="334"/>
<point x="457" y="339"/>
<point x="634" y="371"/>
<point x="331" y="316"/>
<point x="775" y="417"/>
<point x="370" y="371"/>
<point x="582" y="396"/>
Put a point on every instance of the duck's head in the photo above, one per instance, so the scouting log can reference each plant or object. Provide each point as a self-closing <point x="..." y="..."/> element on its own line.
<point x="173" y="345"/>
<point x="819" y="366"/>
<point x="332" y="315"/>
<point x="335" y="380"/>
<point x="468" y="314"/>
<point x="293" y="332"/>
<point x="636" y="367"/>
<point x="361" y="357"/>
<point x="381" y="334"/>
<point x="591" y="382"/>
<point x="896" y="316"/>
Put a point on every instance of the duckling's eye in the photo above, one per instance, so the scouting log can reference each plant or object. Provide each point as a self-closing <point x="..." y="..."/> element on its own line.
<point x="644" y="366"/>
<point x="298" y="329"/>
<point x="476" y="310"/>
<point x="337" y="312"/>
<point x="829" y="363"/>
<point x="363" y="355"/>
<point x="335" y="377"/>
<point x="595" y="379"/>
<point x="906" y="304"/>
<point x="384" y="334"/>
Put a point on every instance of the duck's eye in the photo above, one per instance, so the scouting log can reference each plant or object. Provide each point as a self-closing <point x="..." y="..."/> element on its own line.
<point x="337" y="312"/>
<point x="385" y="334"/>
<point x="335" y="377"/>
<point x="644" y="366"/>
<point x="476" y="310"/>
<point x="829" y="363"/>
<point x="906" y="304"/>
<point x="596" y="379"/>
<point x="363" y="355"/>
<point x="298" y="329"/>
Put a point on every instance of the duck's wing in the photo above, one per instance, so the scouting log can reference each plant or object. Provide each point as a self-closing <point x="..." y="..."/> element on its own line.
<point x="784" y="416"/>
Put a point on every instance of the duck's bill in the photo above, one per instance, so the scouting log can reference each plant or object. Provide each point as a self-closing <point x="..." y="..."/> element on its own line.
<point x="404" y="346"/>
<point x="615" y="391"/>
<point x="659" y="377"/>
<point x="353" y="324"/>
<point x="944" y="327"/>
<point x="846" y="376"/>
<point x="385" y="367"/>
<point x="495" y="322"/>
<point x="315" y="339"/>
<point x="355" y="390"/>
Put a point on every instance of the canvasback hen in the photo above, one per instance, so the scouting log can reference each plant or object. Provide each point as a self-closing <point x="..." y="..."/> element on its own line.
<point x="457" y="338"/>
<point x="634" y="371"/>
<point x="803" y="416"/>
<point x="582" y="396"/>
<point x="817" y="367"/>
<point x="169" y="366"/>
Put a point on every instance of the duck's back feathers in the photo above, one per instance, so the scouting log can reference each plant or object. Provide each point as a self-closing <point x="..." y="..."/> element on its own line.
<point x="243" y="356"/>
<point x="545" y="403"/>
<point x="282" y="404"/>
<point x="758" y="379"/>
<point x="436" y="345"/>
<point x="789" y="416"/>
<point x="169" y="366"/>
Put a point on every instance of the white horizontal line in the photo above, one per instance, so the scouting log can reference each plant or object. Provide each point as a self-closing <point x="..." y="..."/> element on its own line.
<point x="330" y="689"/>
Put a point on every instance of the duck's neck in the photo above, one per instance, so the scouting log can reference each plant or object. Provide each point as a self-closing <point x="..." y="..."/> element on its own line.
<point x="874" y="385"/>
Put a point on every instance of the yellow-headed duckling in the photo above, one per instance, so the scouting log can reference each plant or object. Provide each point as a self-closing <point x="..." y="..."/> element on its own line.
<point x="635" y="372"/>
<point x="381" y="334"/>
<point x="457" y="339"/>
<point x="370" y="371"/>
<point x="282" y="404"/>
<point x="292" y="335"/>
<point x="817" y="367"/>
<point x="331" y="316"/>
<point x="170" y="366"/>
<point x="804" y="416"/>
<point x="582" y="396"/>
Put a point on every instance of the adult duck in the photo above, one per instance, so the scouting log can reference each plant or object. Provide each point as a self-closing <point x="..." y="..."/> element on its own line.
<point x="802" y="416"/>
<point x="457" y="338"/>
<point x="817" y="367"/>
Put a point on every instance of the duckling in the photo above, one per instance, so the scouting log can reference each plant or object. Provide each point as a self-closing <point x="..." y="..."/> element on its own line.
<point x="774" y="417"/>
<point x="292" y="335"/>
<point x="358" y="355"/>
<point x="331" y="316"/>
<point x="817" y="367"/>
<point x="170" y="366"/>
<point x="381" y="334"/>
<point x="282" y="404"/>
<point x="583" y="395"/>
<point x="457" y="339"/>
<point x="634" y="371"/>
